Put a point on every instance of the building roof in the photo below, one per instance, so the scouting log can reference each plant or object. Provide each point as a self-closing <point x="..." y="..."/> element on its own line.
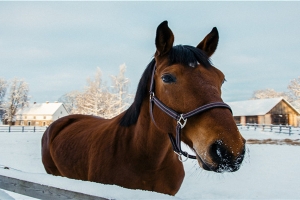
<point x="40" y="109"/>
<point x="255" y="107"/>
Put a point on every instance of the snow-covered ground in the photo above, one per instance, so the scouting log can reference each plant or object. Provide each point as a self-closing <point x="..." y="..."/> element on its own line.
<point x="268" y="172"/>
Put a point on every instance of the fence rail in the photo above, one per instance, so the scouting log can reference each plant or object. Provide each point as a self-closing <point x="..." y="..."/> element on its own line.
<point x="270" y="127"/>
<point x="40" y="191"/>
<point x="23" y="128"/>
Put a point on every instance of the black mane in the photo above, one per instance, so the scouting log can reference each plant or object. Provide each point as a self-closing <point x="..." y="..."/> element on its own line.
<point x="188" y="56"/>
<point x="182" y="54"/>
<point x="132" y="113"/>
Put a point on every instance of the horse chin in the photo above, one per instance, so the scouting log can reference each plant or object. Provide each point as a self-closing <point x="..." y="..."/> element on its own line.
<point x="202" y="164"/>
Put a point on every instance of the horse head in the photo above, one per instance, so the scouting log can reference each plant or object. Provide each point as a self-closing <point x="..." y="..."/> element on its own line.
<point x="185" y="80"/>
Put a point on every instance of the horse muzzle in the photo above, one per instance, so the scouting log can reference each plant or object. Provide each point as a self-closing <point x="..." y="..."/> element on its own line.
<point x="219" y="159"/>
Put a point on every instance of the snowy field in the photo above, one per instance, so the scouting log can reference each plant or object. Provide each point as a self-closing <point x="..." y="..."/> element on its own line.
<point x="268" y="172"/>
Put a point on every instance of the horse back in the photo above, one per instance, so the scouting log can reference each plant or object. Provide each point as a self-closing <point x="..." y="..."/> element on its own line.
<point x="63" y="134"/>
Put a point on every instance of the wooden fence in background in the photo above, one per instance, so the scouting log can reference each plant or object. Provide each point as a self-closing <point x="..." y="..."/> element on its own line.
<point x="270" y="127"/>
<point x="23" y="128"/>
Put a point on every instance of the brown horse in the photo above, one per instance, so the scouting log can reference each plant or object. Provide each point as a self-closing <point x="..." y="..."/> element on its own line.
<point x="133" y="149"/>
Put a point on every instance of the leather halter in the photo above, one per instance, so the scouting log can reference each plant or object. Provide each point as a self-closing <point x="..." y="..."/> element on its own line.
<point x="180" y="118"/>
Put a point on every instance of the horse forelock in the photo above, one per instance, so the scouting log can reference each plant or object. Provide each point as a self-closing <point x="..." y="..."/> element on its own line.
<point x="188" y="56"/>
<point x="182" y="54"/>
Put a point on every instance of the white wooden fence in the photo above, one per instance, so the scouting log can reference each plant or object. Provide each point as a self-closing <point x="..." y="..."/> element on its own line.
<point x="270" y="127"/>
<point x="4" y="128"/>
<point x="40" y="191"/>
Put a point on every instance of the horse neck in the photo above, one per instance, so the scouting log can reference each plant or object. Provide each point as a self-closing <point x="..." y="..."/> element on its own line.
<point x="152" y="140"/>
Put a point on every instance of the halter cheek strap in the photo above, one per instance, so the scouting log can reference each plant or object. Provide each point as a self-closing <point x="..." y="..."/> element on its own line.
<point x="180" y="118"/>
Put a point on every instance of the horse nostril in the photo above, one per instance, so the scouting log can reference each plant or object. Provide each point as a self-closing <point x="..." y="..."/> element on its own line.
<point x="218" y="152"/>
<point x="224" y="159"/>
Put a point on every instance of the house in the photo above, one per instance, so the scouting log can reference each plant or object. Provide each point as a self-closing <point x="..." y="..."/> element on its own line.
<point x="265" y="111"/>
<point x="40" y="114"/>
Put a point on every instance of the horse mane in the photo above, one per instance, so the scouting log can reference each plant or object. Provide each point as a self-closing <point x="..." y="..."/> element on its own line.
<point x="182" y="54"/>
<point x="132" y="113"/>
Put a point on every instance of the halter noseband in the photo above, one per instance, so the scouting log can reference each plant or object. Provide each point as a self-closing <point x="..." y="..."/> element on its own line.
<point x="180" y="118"/>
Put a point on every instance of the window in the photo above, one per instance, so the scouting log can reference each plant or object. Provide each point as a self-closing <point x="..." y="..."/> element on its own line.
<point x="237" y="119"/>
<point x="44" y="123"/>
<point x="280" y="119"/>
<point x="44" y="117"/>
<point x="252" y="119"/>
<point x="29" y="123"/>
<point x="34" y="117"/>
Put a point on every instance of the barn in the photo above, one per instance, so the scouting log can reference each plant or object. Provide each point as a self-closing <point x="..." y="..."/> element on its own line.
<point x="40" y="114"/>
<point x="274" y="111"/>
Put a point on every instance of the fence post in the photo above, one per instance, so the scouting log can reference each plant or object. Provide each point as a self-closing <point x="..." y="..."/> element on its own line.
<point x="290" y="130"/>
<point x="9" y="129"/>
<point x="279" y="128"/>
<point x="22" y="128"/>
<point x="271" y="129"/>
<point x="34" y="129"/>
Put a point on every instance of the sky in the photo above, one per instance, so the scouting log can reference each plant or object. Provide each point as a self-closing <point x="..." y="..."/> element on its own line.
<point x="56" y="46"/>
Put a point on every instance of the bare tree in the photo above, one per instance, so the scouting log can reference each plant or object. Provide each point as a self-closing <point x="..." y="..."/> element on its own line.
<point x="69" y="101"/>
<point x="99" y="100"/>
<point x="120" y="94"/>
<point x="17" y="99"/>
<point x="3" y="88"/>
<point x="95" y="99"/>
<point x="294" y="88"/>
<point x="269" y="93"/>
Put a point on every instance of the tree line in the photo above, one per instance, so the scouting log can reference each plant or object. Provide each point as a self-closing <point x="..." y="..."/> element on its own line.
<point x="98" y="99"/>
<point x="95" y="99"/>
<point x="292" y="95"/>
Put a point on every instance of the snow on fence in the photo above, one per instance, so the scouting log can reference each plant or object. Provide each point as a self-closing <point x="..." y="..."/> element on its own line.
<point x="23" y="128"/>
<point x="40" y="191"/>
<point x="270" y="127"/>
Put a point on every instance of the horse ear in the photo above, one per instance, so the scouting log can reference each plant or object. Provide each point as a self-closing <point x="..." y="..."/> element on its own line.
<point x="164" y="39"/>
<point x="210" y="42"/>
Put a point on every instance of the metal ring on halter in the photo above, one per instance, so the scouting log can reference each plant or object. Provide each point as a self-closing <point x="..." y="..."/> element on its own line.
<point x="180" y="156"/>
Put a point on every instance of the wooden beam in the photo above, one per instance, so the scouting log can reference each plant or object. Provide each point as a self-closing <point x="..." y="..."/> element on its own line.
<point x="39" y="191"/>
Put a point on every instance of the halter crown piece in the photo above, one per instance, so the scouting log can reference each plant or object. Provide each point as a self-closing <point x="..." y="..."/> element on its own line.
<point x="180" y="118"/>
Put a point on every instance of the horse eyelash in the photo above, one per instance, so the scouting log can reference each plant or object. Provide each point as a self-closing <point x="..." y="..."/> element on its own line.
<point x="224" y="81"/>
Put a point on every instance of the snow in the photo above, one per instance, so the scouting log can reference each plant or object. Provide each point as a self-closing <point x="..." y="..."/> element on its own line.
<point x="40" y="109"/>
<point x="268" y="172"/>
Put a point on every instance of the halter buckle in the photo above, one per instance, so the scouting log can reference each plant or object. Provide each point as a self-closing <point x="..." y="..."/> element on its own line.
<point x="182" y="121"/>
<point x="151" y="95"/>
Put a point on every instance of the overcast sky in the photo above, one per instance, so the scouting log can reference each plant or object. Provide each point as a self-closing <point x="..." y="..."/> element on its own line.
<point x="56" y="46"/>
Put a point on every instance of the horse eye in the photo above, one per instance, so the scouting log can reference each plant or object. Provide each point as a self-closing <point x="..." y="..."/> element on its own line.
<point x="168" y="78"/>
<point x="224" y="81"/>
